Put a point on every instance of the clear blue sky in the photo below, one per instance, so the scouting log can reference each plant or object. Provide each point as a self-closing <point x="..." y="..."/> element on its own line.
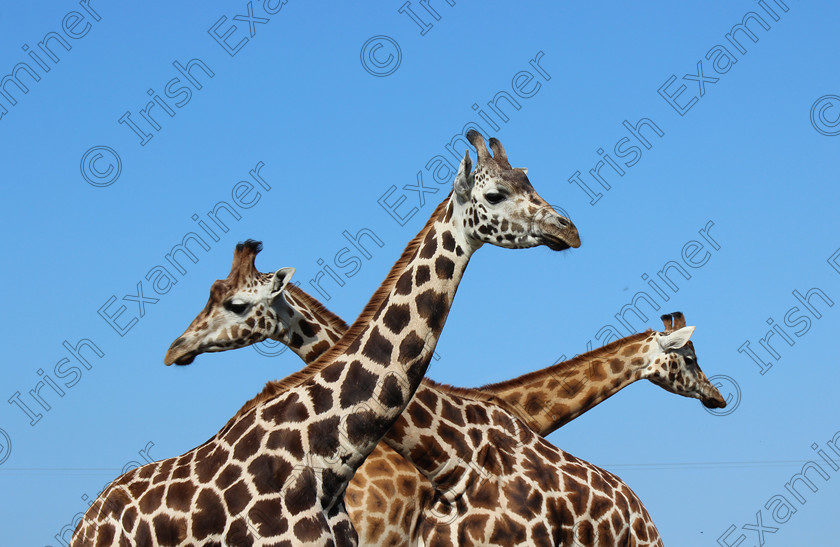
<point x="755" y="154"/>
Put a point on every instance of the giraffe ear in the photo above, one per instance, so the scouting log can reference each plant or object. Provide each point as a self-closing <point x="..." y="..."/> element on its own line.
<point x="523" y="169"/>
<point x="464" y="180"/>
<point x="280" y="280"/>
<point x="676" y="339"/>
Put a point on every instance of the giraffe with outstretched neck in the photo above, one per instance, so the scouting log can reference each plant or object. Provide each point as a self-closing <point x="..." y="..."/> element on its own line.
<point x="387" y="495"/>
<point x="276" y="473"/>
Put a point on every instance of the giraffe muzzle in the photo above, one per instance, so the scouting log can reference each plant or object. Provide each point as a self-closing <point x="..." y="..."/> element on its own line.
<point x="173" y="358"/>
<point x="714" y="400"/>
<point x="185" y="359"/>
<point x="560" y="234"/>
<point x="555" y="230"/>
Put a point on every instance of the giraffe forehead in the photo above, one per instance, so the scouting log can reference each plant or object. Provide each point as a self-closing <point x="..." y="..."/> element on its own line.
<point x="514" y="179"/>
<point x="254" y="290"/>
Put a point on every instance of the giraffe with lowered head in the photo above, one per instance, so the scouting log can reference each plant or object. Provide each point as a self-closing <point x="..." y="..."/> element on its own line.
<point x="276" y="473"/>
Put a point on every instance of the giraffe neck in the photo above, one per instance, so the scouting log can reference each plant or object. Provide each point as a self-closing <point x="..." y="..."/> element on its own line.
<point x="449" y="465"/>
<point x="550" y="398"/>
<point x="372" y="372"/>
<point x="427" y="433"/>
<point x="545" y="399"/>
<point x="456" y="437"/>
<point x="305" y="325"/>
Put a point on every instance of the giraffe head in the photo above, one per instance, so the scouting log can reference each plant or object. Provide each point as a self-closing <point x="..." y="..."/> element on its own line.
<point x="501" y="207"/>
<point x="674" y="367"/>
<point x="240" y="311"/>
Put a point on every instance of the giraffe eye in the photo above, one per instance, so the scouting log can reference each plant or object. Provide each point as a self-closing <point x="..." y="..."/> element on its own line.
<point x="494" y="197"/>
<point x="236" y="308"/>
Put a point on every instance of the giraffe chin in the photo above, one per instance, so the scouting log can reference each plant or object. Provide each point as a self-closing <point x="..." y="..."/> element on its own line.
<point x="557" y="245"/>
<point x="185" y="360"/>
<point x="182" y="360"/>
<point x="562" y="241"/>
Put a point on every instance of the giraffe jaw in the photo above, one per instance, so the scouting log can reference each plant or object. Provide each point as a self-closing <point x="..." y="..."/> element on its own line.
<point x="557" y="244"/>
<point x="183" y="351"/>
<point x="183" y="361"/>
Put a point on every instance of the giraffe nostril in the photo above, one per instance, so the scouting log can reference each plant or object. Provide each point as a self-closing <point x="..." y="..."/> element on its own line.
<point x="564" y="222"/>
<point x="177" y="342"/>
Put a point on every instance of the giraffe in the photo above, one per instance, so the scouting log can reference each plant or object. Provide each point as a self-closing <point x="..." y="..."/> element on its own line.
<point x="386" y="494"/>
<point x="276" y="473"/>
<point x="553" y="396"/>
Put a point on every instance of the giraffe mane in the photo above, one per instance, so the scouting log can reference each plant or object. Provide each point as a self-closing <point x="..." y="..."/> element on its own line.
<point x="596" y="353"/>
<point x="277" y="387"/>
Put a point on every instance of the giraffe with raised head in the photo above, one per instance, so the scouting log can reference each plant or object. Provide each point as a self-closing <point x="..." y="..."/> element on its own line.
<point x="388" y="497"/>
<point x="276" y="473"/>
